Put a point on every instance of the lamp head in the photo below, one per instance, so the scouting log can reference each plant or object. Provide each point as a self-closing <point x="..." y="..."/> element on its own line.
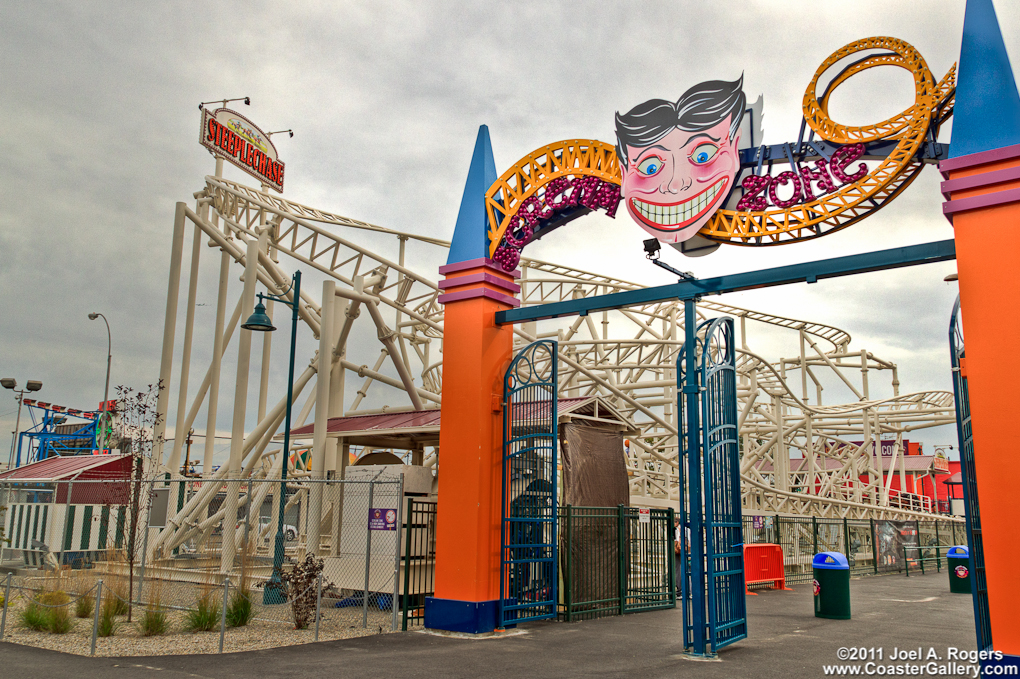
<point x="9" y="383"/>
<point x="33" y="385"/>
<point x="93" y="316"/>
<point x="258" y="321"/>
<point x="652" y="247"/>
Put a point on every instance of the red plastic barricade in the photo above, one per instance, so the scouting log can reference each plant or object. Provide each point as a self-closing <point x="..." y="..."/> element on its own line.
<point x="763" y="563"/>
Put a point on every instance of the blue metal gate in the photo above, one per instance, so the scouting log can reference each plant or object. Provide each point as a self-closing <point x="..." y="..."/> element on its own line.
<point x="712" y="567"/>
<point x="528" y="577"/>
<point x="982" y="623"/>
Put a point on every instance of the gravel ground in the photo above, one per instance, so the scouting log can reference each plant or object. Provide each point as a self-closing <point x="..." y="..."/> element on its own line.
<point x="337" y="623"/>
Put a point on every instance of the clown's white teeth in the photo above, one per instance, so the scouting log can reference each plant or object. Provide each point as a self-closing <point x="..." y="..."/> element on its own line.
<point x="681" y="212"/>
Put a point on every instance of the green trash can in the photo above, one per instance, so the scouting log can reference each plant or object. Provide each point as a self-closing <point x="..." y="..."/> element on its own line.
<point x="832" y="586"/>
<point x="958" y="559"/>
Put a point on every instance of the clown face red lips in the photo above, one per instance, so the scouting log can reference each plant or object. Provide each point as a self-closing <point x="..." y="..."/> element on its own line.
<point x="678" y="215"/>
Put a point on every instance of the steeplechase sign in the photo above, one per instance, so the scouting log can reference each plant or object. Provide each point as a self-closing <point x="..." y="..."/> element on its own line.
<point x="233" y="137"/>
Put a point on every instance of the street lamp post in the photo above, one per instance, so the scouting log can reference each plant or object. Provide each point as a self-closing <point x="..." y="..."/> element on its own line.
<point x="260" y="322"/>
<point x="109" y="355"/>
<point x="11" y="383"/>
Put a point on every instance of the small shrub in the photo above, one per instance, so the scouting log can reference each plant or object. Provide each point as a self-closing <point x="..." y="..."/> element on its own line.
<point x="108" y="619"/>
<point x="33" y="616"/>
<point x="118" y="603"/>
<point x="49" y="611"/>
<point x="154" y="621"/>
<point x="85" y="605"/>
<point x="205" y="616"/>
<point x="240" y="610"/>
<point x="58" y="620"/>
<point x="57" y="598"/>
<point x="83" y="581"/>
<point x="299" y="586"/>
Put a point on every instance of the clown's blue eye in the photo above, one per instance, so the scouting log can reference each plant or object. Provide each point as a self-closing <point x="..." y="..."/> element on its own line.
<point x="650" y="166"/>
<point x="703" y="153"/>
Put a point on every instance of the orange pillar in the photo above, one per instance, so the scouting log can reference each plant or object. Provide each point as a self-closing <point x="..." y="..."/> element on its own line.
<point x="984" y="191"/>
<point x="476" y="353"/>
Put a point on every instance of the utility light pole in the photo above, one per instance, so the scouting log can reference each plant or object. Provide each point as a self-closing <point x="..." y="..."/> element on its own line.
<point x="103" y="412"/>
<point x="11" y="383"/>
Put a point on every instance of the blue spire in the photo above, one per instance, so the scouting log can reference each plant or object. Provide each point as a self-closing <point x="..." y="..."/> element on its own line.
<point x="470" y="237"/>
<point x="986" y="114"/>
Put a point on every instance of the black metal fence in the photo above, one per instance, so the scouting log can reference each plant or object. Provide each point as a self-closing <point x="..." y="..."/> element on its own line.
<point x="419" y="560"/>
<point x="615" y="560"/>
<point x="619" y="560"/>
<point x="871" y="546"/>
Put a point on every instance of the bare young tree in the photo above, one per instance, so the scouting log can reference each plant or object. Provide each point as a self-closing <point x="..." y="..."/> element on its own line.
<point x="138" y="418"/>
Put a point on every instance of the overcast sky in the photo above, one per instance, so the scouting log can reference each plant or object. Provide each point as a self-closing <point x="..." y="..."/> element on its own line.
<point x="100" y="139"/>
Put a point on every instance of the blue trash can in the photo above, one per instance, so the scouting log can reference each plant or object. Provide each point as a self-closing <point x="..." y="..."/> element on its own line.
<point x="958" y="559"/>
<point x="832" y="585"/>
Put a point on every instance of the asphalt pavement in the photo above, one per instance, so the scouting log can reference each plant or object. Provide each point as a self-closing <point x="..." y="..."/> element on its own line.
<point x="892" y="613"/>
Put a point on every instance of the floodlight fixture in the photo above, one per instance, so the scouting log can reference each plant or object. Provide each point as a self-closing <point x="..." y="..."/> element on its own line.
<point x="9" y="383"/>
<point x="33" y="385"/>
<point x="652" y="247"/>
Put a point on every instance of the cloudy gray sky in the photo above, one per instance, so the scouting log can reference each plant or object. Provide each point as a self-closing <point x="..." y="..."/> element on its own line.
<point x="99" y="109"/>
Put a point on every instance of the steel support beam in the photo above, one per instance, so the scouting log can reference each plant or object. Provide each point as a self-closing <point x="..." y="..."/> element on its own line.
<point x="808" y="272"/>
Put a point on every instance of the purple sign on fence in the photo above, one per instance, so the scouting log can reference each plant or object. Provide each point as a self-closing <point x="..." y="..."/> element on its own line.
<point x="382" y="519"/>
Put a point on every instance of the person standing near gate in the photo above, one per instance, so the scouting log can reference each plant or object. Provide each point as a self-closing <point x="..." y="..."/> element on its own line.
<point x="681" y="543"/>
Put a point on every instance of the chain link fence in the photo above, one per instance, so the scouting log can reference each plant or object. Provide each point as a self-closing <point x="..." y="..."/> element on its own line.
<point x="175" y="556"/>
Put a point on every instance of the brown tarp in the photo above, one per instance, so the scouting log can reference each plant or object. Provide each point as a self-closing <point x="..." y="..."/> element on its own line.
<point x="594" y="472"/>
<point x="594" y="475"/>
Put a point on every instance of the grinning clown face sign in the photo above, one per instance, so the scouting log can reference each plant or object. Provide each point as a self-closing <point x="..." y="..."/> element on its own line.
<point x="679" y="159"/>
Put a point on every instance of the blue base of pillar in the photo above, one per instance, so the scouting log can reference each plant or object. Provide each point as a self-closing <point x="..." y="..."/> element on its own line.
<point x="469" y="617"/>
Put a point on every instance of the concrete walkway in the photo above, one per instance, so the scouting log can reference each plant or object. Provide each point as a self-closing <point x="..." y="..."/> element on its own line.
<point x="786" y="641"/>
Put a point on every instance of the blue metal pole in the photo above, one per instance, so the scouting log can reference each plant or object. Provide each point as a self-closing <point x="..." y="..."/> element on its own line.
<point x="273" y="594"/>
<point x="691" y="389"/>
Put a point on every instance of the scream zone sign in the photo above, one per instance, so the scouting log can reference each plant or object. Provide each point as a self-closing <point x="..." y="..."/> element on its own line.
<point x="230" y="135"/>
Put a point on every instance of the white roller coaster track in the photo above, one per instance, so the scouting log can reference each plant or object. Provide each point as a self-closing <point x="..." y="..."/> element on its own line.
<point x="627" y="357"/>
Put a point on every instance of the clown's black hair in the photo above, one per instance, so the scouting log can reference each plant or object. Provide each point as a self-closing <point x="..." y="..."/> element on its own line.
<point x="701" y="107"/>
